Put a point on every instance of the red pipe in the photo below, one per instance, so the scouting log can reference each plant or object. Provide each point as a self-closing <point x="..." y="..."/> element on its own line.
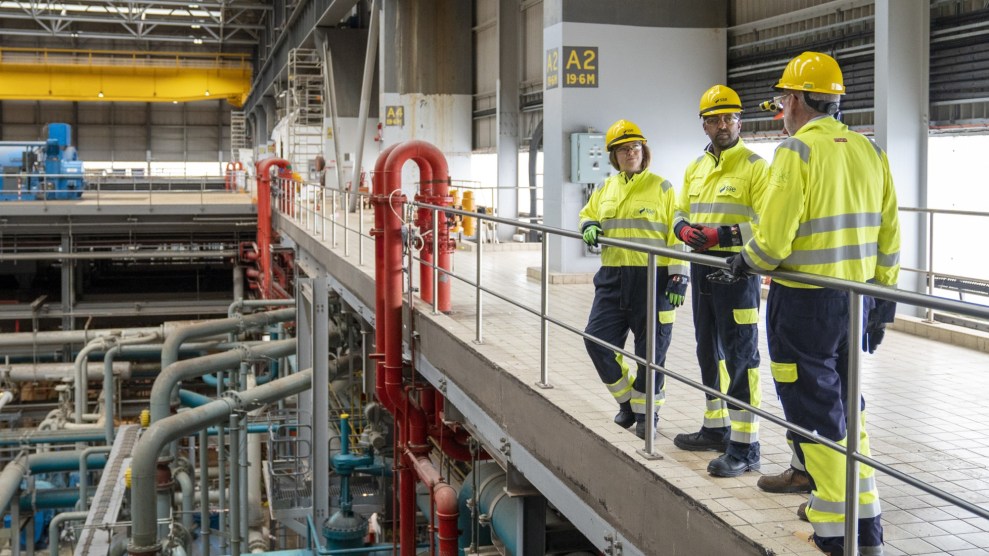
<point x="264" y="220"/>
<point x="444" y="500"/>
<point x="411" y="420"/>
<point x="379" y="198"/>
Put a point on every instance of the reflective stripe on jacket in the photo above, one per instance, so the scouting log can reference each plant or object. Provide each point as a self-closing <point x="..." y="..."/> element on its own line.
<point x="830" y="208"/>
<point x="640" y="210"/>
<point x="721" y="192"/>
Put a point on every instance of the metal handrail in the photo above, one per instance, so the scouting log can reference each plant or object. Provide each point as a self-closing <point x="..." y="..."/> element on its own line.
<point x="855" y="290"/>
<point x="929" y="272"/>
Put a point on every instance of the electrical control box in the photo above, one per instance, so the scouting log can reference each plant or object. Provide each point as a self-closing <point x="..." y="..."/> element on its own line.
<point x="588" y="158"/>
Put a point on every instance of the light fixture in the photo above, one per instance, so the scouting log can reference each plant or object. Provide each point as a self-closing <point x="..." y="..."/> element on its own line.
<point x="193" y="6"/>
<point x="100" y="94"/>
<point x="197" y="41"/>
<point x="175" y="102"/>
<point x="207" y="92"/>
<point x="196" y="26"/>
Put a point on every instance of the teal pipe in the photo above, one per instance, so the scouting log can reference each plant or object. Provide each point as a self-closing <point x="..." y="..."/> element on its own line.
<point x="51" y="499"/>
<point x="33" y="436"/>
<point x="188" y="398"/>
<point x="50" y="462"/>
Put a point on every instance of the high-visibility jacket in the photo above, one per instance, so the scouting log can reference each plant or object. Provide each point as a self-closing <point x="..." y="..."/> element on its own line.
<point x="830" y="208"/>
<point x="726" y="191"/>
<point x="639" y="209"/>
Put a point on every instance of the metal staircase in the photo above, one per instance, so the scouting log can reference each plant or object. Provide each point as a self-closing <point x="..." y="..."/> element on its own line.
<point x="305" y="108"/>
<point x="238" y="135"/>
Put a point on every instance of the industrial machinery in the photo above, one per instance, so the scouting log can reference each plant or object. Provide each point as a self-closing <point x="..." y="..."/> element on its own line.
<point x="48" y="169"/>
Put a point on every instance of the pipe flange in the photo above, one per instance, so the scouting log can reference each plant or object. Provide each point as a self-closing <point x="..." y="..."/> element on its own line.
<point x="151" y="550"/>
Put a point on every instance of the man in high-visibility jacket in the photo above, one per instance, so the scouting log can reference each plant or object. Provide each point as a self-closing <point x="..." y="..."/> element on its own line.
<point x="830" y="209"/>
<point x="716" y="214"/>
<point x="637" y="206"/>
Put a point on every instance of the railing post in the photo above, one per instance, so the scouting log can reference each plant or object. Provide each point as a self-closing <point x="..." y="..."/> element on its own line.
<point x="346" y="223"/>
<point x="930" y="262"/>
<point x="649" y="452"/>
<point x="360" y="230"/>
<point x="853" y="423"/>
<point x="543" y="313"/>
<point x="435" y="262"/>
<point x="477" y="308"/>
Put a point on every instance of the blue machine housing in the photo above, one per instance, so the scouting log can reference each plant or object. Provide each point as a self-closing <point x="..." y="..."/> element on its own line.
<point x="48" y="169"/>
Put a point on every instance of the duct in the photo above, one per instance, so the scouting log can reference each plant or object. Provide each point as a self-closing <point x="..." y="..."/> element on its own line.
<point x="170" y="376"/>
<point x="372" y="45"/>
<point x="56" y="523"/>
<point x="34" y="372"/>
<point x="188" y="493"/>
<point x="145" y="456"/>
<point x="81" y="384"/>
<point x="84" y="472"/>
<point x="108" y="385"/>
<point x="169" y="352"/>
<point x="59" y="338"/>
<point x="10" y="477"/>
<point x="51" y="499"/>
<point x="19" y="437"/>
<point x="5" y="398"/>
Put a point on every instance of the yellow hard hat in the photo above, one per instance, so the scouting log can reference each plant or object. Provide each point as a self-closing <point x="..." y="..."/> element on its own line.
<point x="622" y="131"/>
<point x="720" y="99"/>
<point x="813" y="72"/>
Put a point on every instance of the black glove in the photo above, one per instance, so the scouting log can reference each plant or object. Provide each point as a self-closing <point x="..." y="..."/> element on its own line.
<point x="738" y="269"/>
<point x="729" y="236"/>
<point x="879" y="312"/>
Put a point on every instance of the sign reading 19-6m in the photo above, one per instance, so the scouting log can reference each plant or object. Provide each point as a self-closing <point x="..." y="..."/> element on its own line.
<point x="580" y="67"/>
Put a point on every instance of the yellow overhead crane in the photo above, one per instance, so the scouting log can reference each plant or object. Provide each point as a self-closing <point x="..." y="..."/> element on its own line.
<point x="110" y="75"/>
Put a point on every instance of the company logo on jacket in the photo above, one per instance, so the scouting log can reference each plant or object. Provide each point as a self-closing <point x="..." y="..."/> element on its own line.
<point x="647" y="210"/>
<point x="727" y="188"/>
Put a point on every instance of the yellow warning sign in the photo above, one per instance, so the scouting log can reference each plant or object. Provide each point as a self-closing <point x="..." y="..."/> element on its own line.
<point x="552" y="68"/>
<point x="395" y="116"/>
<point x="580" y="68"/>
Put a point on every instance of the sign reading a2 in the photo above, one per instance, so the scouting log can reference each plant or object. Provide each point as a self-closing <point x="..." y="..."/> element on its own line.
<point x="581" y="66"/>
<point x="552" y="68"/>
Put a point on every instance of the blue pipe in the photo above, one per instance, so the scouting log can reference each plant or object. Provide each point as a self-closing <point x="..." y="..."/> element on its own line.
<point x="189" y="398"/>
<point x="66" y="437"/>
<point x="50" y="462"/>
<point x="50" y="498"/>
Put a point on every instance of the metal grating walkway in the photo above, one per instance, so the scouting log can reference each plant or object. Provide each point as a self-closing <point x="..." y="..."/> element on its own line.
<point x="96" y="534"/>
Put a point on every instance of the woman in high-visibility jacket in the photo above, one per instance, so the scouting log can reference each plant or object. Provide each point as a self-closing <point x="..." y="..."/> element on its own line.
<point x="637" y="206"/>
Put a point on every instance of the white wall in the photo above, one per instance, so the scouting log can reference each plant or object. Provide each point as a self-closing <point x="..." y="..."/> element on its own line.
<point x="651" y="76"/>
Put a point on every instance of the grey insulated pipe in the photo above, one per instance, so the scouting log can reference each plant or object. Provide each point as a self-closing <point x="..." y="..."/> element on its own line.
<point x="23" y="464"/>
<point x="174" y="339"/>
<point x="108" y="386"/>
<point x="143" y="465"/>
<point x="161" y="391"/>
<point x="56" y="523"/>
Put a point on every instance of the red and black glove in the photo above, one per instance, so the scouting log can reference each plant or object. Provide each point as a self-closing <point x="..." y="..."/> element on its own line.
<point x="698" y="237"/>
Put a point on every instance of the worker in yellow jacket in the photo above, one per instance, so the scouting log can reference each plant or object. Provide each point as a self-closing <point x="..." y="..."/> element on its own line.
<point x="830" y="209"/>
<point x="638" y="206"/>
<point x="717" y="212"/>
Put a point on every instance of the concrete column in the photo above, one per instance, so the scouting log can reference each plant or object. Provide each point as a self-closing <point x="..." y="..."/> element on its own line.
<point x="902" y="120"/>
<point x="320" y="400"/>
<point x="68" y="284"/>
<point x="653" y="59"/>
<point x="426" y="57"/>
<point x="509" y="25"/>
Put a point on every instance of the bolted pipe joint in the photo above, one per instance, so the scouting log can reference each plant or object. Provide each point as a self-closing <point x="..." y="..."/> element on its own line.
<point x="164" y="482"/>
<point x="153" y="550"/>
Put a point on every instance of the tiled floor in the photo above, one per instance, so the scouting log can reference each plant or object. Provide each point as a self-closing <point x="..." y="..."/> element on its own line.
<point x="924" y="408"/>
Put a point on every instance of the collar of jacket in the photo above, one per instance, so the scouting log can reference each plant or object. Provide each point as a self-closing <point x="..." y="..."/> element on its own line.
<point x="821" y="122"/>
<point x="732" y="151"/>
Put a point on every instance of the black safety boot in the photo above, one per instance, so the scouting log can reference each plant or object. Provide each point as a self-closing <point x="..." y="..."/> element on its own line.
<point x="625" y="418"/>
<point x="702" y="440"/>
<point x="728" y="465"/>
<point x="640" y="427"/>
